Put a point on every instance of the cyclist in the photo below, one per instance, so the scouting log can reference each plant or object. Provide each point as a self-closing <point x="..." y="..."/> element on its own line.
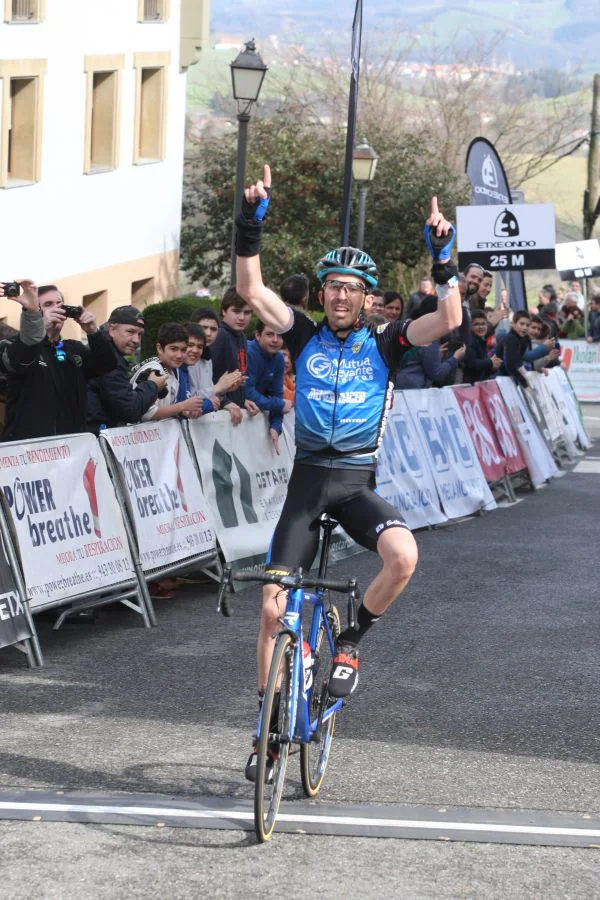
<point x="344" y="381"/>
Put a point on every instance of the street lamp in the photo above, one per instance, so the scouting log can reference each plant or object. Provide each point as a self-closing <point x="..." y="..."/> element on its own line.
<point x="247" y="75"/>
<point x="364" y="163"/>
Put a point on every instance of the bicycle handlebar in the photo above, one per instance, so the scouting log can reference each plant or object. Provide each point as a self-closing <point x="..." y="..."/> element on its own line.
<point x="293" y="581"/>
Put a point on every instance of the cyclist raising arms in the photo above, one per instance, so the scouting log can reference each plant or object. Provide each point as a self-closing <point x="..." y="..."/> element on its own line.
<point x="344" y="383"/>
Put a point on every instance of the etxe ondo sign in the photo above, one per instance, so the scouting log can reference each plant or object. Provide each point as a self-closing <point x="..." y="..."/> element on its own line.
<point x="506" y="237"/>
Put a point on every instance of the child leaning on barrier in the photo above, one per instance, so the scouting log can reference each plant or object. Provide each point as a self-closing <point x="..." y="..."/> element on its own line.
<point x="171" y="347"/>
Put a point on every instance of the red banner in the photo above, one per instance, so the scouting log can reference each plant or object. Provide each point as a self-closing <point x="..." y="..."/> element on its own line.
<point x="505" y="433"/>
<point x="482" y="432"/>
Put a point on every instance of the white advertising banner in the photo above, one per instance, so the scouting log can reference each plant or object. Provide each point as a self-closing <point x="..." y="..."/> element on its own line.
<point x="171" y="516"/>
<point x="539" y="460"/>
<point x="449" y="452"/>
<point x="71" y="534"/>
<point x="553" y="386"/>
<point x="546" y="405"/>
<point x="583" y="365"/>
<point x="244" y="481"/>
<point x="508" y="237"/>
<point x="571" y="401"/>
<point x="403" y="475"/>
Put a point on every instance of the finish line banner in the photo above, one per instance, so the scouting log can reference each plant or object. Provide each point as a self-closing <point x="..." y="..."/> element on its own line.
<point x="170" y="513"/>
<point x="459" y="480"/>
<point x="71" y="534"/>
<point x="244" y="481"/>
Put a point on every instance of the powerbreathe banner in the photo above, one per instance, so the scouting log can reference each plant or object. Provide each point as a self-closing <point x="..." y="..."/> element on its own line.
<point x="489" y="186"/>
<point x="170" y="514"/>
<point x="70" y="529"/>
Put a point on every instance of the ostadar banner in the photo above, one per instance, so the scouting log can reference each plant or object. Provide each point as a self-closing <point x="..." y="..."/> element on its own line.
<point x="583" y="365"/>
<point x="489" y="186"/>
<point x="244" y="481"/>
<point x="170" y="513"/>
<point x="506" y="237"/>
<point x="71" y="534"/>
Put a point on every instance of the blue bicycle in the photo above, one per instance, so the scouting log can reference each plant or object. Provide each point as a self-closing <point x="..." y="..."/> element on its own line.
<point x="297" y="708"/>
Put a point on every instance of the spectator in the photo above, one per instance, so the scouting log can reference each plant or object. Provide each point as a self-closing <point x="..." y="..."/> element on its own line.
<point x="393" y="307"/>
<point x="294" y="291"/>
<point x="479" y="299"/>
<point x="422" y="367"/>
<point x="478" y="365"/>
<point x="415" y="299"/>
<point x="47" y="376"/>
<point x="544" y="297"/>
<point x="575" y="291"/>
<point x="289" y="379"/>
<point x="514" y="347"/>
<point x="230" y="348"/>
<point x="7" y="333"/>
<point x="229" y="381"/>
<point x="374" y="304"/>
<point x="209" y="322"/>
<point x="111" y="400"/>
<point x="543" y="353"/>
<point x="171" y="347"/>
<point x="572" y="326"/>
<point x="594" y="334"/>
<point x="265" y="378"/>
<point x="195" y="373"/>
<point x="473" y="276"/>
<point x="549" y="316"/>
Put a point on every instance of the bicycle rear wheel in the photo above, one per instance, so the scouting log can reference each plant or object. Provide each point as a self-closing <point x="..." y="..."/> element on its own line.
<point x="267" y="793"/>
<point x="314" y="756"/>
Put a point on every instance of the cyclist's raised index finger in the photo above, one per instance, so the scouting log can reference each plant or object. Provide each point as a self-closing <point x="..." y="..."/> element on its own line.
<point x="434" y="206"/>
<point x="267" y="176"/>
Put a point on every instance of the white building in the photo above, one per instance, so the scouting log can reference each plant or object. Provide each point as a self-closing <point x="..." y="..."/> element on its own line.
<point x="92" y="119"/>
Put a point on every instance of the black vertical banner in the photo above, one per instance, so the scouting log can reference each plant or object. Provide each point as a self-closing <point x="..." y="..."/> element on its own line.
<point x="14" y="626"/>
<point x="352" y="107"/>
<point x="489" y="186"/>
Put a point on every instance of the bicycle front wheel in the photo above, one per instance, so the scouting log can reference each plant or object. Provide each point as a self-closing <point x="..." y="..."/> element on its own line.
<point x="314" y="756"/>
<point x="272" y="756"/>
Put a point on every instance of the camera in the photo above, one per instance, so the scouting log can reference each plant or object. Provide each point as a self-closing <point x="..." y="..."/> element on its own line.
<point x="72" y="312"/>
<point x="143" y="376"/>
<point x="11" y="289"/>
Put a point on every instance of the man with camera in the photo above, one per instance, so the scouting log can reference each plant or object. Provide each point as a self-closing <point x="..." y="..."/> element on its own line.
<point x="47" y="376"/>
<point x="112" y="400"/>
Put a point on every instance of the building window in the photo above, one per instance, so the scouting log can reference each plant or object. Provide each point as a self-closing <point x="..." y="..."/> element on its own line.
<point x="21" y="121"/>
<point x="150" y="106"/>
<point x="97" y="303"/>
<point x="142" y="292"/>
<point x="153" y="10"/>
<point x="19" y="12"/>
<point x="102" y="113"/>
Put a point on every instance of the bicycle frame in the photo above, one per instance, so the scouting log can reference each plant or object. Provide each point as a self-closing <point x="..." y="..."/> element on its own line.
<point x="304" y="728"/>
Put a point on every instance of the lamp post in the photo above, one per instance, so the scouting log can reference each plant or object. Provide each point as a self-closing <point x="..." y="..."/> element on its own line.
<point x="364" y="163"/>
<point x="247" y="74"/>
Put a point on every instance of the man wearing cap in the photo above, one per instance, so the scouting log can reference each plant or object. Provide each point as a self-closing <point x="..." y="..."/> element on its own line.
<point x="112" y="400"/>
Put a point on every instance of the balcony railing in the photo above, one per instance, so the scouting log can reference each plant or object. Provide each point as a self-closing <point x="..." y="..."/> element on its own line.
<point x="24" y="10"/>
<point x="153" y="10"/>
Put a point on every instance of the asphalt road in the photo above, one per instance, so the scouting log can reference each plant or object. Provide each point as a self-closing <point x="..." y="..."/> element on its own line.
<point x="479" y="689"/>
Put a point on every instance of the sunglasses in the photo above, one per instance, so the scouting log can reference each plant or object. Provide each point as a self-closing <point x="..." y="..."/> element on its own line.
<point x="351" y="287"/>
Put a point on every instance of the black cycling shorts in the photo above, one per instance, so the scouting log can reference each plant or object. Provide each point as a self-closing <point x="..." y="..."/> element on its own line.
<point x="348" y="495"/>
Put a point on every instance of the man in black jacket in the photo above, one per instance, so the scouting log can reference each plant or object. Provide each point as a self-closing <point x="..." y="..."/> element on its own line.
<point x="478" y="365"/>
<point x="112" y="400"/>
<point x="47" y="376"/>
<point x="513" y="348"/>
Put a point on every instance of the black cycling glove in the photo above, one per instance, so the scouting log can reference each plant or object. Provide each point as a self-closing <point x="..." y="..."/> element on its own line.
<point x="440" y="247"/>
<point x="249" y="226"/>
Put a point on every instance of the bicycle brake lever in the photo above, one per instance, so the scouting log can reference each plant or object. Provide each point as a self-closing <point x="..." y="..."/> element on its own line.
<point x="226" y="587"/>
<point x="353" y="596"/>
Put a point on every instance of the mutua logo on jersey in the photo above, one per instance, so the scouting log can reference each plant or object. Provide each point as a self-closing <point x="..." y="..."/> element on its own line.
<point x="489" y="175"/>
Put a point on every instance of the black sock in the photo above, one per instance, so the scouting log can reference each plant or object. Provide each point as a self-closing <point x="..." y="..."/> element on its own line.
<point x="364" y="620"/>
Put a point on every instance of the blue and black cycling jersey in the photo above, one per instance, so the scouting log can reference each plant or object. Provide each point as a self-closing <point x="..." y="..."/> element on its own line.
<point x="344" y="389"/>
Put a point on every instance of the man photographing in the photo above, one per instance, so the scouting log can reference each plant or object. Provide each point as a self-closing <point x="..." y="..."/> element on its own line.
<point x="344" y="380"/>
<point x="47" y="376"/>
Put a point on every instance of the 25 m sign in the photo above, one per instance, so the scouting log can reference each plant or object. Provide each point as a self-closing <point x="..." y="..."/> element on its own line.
<point x="507" y="238"/>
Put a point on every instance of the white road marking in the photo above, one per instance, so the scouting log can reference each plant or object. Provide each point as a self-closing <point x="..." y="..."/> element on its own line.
<point x="587" y="467"/>
<point x="301" y="818"/>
